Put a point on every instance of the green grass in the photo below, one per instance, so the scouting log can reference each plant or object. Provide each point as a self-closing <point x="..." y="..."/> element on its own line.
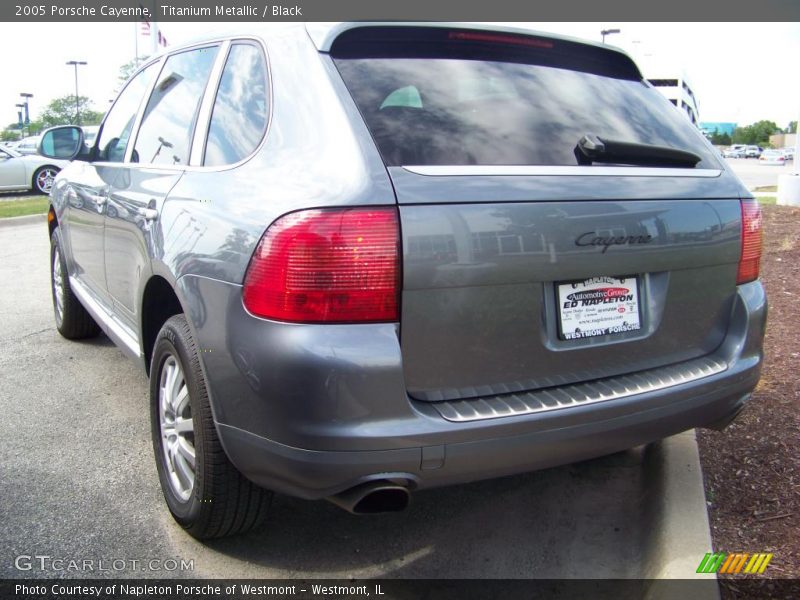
<point x="766" y="188"/>
<point x="30" y="205"/>
<point x="767" y="199"/>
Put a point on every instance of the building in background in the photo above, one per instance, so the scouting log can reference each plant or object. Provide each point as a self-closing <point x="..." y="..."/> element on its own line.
<point x="666" y="71"/>
<point x="675" y="86"/>
<point x="783" y="140"/>
<point x="710" y="128"/>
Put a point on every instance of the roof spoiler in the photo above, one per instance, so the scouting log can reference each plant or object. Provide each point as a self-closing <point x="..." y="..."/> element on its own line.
<point x="469" y="40"/>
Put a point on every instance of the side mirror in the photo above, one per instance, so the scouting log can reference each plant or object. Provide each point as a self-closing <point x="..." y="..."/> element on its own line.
<point x="63" y="143"/>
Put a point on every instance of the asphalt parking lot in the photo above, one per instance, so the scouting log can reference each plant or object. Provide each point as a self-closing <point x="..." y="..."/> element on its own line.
<point x="753" y="174"/>
<point x="78" y="483"/>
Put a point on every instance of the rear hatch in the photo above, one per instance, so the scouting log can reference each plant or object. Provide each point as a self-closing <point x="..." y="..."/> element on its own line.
<point x="561" y="220"/>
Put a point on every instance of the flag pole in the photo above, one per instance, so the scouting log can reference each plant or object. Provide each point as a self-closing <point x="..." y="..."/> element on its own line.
<point x="154" y="30"/>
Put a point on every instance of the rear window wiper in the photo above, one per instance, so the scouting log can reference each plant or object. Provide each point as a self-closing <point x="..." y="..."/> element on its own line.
<point x="593" y="149"/>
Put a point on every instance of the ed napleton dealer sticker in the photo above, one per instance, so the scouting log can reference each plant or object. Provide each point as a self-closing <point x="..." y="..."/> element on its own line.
<point x="598" y="306"/>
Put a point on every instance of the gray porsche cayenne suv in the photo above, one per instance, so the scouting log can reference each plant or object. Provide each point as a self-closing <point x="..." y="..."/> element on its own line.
<point x="358" y="260"/>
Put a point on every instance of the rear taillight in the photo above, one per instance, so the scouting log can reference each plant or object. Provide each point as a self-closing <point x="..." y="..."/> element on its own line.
<point x="751" y="242"/>
<point x="327" y="266"/>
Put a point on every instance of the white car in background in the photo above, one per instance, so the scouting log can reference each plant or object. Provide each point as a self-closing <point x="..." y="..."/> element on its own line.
<point x="753" y="152"/>
<point x="28" y="145"/>
<point x="33" y="172"/>
<point x="89" y="134"/>
<point x="772" y="157"/>
<point x="735" y="151"/>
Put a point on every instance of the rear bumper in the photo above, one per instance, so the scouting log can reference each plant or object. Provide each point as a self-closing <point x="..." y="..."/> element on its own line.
<point x="317" y="474"/>
<point x="311" y="418"/>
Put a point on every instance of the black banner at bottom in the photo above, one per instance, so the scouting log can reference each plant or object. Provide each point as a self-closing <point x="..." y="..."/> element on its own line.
<point x="391" y="589"/>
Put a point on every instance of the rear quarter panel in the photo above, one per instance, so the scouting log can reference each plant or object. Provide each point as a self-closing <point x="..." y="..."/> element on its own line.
<point x="316" y="153"/>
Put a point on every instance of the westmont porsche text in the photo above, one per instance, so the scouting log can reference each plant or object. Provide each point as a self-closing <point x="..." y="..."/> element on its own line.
<point x="182" y="590"/>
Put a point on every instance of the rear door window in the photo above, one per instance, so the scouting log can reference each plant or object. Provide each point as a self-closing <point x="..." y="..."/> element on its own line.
<point x="240" y="114"/>
<point x="461" y="103"/>
<point x="165" y="135"/>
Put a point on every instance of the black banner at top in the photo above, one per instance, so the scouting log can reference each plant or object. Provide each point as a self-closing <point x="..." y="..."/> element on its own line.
<point x="441" y="10"/>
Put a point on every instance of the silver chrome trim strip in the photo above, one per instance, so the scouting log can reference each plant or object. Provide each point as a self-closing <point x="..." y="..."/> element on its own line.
<point x="134" y="133"/>
<point x="118" y="333"/>
<point x="522" y="170"/>
<point x="582" y="394"/>
<point x="207" y="104"/>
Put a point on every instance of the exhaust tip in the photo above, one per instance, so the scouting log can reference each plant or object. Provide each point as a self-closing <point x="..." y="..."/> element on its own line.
<point x="388" y="499"/>
<point x="373" y="497"/>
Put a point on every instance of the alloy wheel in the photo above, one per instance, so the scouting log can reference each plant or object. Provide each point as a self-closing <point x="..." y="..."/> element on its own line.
<point x="177" y="428"/>
<point x="45" y="178"/>
<point x="58" y="284"/>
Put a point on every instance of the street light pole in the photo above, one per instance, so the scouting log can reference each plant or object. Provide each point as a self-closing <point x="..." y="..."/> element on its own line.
<point x="606" y="32"/>
<point x="26" y="96"/>
<point x="75" y="64"/>
<point x="21" y="115"/>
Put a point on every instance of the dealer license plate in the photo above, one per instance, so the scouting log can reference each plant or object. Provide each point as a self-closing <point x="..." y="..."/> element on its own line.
<point x="598" y="306"/>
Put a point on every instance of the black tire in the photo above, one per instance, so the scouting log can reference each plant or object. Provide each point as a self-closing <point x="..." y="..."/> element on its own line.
<point x="43" y="179"/>
<point x="72" y="321"/>
<point x="221" y="501"/>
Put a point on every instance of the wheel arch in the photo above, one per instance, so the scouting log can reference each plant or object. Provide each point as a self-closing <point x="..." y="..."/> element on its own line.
<point x="52" y="219"/>
<point x="159" y="302"/>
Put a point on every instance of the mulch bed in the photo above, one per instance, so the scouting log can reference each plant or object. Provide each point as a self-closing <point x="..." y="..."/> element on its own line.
<point x="752" y="469"/>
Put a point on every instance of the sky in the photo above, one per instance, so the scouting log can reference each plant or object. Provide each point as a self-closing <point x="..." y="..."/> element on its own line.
<point x="740" y="72"/>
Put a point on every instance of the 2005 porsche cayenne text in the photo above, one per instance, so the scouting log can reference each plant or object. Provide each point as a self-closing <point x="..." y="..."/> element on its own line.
<point x="359" y="260"/>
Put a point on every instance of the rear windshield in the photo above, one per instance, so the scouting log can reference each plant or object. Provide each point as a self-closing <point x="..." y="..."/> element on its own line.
<point x="466" y="111"/>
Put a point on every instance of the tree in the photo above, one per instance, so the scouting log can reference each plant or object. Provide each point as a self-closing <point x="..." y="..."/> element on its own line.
<point x="720" y="139"/>
<point x="10" y="135"/>
<point x="792" y="128"/>
<point x="61" y="111"/>
<point x="32" y="128"/>
<point x="755" y="134"/>
<point x="36" y="127"/>
<point x="126" y="70"/>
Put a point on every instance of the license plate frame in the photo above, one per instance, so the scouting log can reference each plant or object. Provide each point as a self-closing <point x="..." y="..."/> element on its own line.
<point x="607" y="305"/>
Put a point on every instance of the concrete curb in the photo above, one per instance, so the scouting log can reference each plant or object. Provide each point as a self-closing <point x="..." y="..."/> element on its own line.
<point x="679" y="534"/>
<point x="26" y="220"/>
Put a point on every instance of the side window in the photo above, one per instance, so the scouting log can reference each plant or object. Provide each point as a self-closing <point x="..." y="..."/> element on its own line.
<point x="119" y="122"/>
<point x="165" y="136"/>
<point x="239" y="117"/>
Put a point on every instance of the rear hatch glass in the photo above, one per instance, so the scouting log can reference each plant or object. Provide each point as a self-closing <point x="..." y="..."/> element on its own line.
<point x="455" y="97"/>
